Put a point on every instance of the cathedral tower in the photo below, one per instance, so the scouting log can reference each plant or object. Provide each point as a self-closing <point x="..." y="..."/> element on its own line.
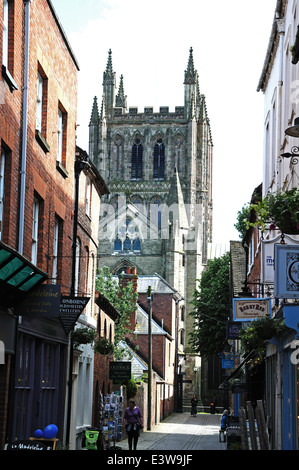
<point x="158" y="168"/>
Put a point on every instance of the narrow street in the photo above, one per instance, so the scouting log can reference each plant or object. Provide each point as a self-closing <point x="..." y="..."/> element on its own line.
<point x="180" y="431"/>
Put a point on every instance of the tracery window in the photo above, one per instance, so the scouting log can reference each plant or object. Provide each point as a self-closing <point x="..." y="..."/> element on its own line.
<point x="159" y="159"/>
<point x="127" y="239"/>
<point x="137" y="155"/>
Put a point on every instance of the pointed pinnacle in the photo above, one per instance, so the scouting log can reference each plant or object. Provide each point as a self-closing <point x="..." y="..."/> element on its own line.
<point x="94" y="118"/>
<point x="190" y="74"/>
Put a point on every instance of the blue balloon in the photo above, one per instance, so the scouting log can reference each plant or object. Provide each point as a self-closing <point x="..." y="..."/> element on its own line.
<point x="50" y="431"/>
<point x="38" y="433"/>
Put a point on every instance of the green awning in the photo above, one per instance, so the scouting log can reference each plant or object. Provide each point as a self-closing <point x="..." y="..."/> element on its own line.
<point x="17" y="276"/>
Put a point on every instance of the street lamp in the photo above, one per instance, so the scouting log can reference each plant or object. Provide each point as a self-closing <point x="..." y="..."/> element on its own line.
<point x="293" y="155"/>
<point x="293" y="131"/>
<point x="195" y="387"/>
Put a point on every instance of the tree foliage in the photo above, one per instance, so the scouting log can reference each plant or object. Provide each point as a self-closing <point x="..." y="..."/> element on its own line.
<point x="122" y="297"/>
<point x="211" y="303"/>
<point x="242" y="220"/>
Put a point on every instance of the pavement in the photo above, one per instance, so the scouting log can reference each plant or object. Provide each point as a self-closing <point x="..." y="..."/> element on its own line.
<point x="180" y="431"/>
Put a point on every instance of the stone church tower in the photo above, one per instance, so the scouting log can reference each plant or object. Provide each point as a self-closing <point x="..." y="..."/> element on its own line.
<point x="158" y="168"/>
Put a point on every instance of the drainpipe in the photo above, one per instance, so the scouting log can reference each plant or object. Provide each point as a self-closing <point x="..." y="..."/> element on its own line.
<point x="281" y="31"/>
<point x="25" y="126"/>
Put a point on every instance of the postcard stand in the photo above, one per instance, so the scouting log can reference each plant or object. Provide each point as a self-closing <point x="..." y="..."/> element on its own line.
<point x="111" y="415"/>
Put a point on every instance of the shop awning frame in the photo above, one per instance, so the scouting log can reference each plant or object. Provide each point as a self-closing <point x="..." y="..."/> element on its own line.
<point x="18" y="276"/>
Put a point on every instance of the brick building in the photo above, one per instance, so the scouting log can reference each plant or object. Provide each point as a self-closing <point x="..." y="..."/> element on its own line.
<point x="164" y="325"/>
<point x="37" y="142"/>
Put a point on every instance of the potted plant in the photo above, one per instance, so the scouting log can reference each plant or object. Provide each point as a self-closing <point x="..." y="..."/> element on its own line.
<point x="255" y="335"/>
<point x="278" y="210"/>
<point x="83" y="335"/>
<point x="103" y="346"/>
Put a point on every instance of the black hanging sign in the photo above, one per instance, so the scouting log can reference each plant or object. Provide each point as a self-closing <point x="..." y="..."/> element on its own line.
<point x="120" y="370"/>
<point x="70" y="310"/>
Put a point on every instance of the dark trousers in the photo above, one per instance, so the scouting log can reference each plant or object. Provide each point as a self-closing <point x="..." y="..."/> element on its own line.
<point x="133" y="438"/>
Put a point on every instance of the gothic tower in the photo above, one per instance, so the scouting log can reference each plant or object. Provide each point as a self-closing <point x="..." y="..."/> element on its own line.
<point x="158" y="168"/>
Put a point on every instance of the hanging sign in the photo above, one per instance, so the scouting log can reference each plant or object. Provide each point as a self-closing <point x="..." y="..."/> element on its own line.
<point x="251" y="309"/>
<point x="120" y="370"/>
<point x="70" y="310"/>
<point x="233" y="329"/>
<point x="286" y="272"/>
<point x="43" y="301"/>
<point x="267" y="252"/>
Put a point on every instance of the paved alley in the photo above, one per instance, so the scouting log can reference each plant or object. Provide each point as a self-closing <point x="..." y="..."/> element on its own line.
<point x="182" y="432"/>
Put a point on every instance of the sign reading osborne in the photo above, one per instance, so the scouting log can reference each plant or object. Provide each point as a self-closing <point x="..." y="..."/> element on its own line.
<point x="250" y="309"/>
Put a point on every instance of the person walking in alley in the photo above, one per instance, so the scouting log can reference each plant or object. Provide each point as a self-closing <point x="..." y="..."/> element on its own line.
<point x="133" y="423"/>
<point x="194" y="403"/>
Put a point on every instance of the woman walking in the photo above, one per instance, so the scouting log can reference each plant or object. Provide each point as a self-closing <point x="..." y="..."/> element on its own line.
<point x="133" y="421"/>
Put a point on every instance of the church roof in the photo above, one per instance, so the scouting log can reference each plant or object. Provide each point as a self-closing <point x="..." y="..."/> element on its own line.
<point x="157" y="283"/>
<point x="142" y="324"/>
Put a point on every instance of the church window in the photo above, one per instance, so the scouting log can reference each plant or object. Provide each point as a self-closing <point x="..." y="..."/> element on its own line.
<point x="156" y="212"/>
<point x="136" y="244"/>
<point x="127" y="239"/>
<point x="117" y="150"/>
<point x="117" y="245"/>
<point x="127" y="244"/>
<point x="159" y="159"/>
<point x="137" y="154"/>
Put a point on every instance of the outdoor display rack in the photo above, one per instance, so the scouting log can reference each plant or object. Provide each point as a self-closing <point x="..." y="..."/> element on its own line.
<point x="111" y="415"/>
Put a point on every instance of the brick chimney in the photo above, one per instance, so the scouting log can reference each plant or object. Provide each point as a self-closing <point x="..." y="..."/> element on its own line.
<point x="124" y="279"/>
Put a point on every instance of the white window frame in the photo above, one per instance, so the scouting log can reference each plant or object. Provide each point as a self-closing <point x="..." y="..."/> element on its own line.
<point x="59" y="135"/>
<point x="5" y="34"/>
<point x="88" y="197"/>
<point x="2" y="170"/>
<point x="39" y="102"/>
<point x="34" y="246"/>
<point x="55" y="251"/>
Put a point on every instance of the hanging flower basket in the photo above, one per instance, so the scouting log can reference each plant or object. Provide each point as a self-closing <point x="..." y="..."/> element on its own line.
<point x="103" y="346"/>
<point x="83" y="335"/>
<point x="278" y="210"/>
<point x="259" y="331"/>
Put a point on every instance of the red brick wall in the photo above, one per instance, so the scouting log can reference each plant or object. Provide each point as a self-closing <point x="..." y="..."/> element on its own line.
<point x="161" y="309"/>
<point x="48" y="50"/>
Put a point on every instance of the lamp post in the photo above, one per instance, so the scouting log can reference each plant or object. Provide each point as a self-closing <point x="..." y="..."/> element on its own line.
<point x="195" y="384"/>
<point x="149" y="378"/>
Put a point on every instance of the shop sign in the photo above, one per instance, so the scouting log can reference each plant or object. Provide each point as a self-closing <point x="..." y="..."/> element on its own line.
<point x="43" y="301"/>
<point x="227" y="363"/>
<point x="70" y="310"/>
<point x="286" y="272"/>
<point x="233" y="329"/>
<point x="120" y="370"/>
<point x="267" y="252"/>
<point x="248" y="309"/>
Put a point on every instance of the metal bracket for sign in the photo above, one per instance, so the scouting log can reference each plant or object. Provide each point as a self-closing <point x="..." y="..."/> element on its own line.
<point x="70" y="310"/>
